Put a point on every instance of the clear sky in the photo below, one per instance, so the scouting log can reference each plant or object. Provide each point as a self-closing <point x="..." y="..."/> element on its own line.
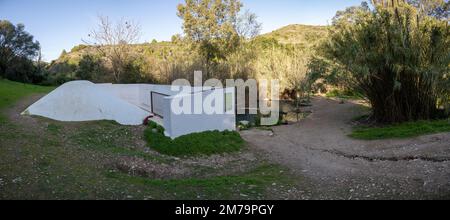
<point x="61" y="24"/>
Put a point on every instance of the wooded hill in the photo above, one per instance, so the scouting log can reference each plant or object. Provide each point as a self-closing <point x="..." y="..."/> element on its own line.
<point x="155" y="59"/>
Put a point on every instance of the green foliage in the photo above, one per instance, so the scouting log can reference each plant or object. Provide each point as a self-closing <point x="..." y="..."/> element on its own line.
<point x="132" y="73"/>
<point x="79" y="48"/>
<point x="210" y="26"/>
<point x="17" y="51"/>
<point x="344" y="94"/>
<point x="10" y="92"/>
<point x="53" y="128"/>
<point x="80" y="165"/>
<point x="107" y="137"/>
<point x="286" y="63"/>
<point x="395" y="57"/>
<point x="404" y="130"/>
<point x="287" y="55"/>
<point x="250" y="185"/>
<point x="89" y="68"/>
<point x="205" y="143"/>
<point x="153" y="125"/>
<point x="163" y="62"/>
<point x="307" y="36"/>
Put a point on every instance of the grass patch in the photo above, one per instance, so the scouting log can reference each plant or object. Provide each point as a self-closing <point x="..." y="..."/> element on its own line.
<point x="54" y="129"/>
<point x="251" y="185"/>
<point x="405" y="130"/>
<point x="344" y="94"/>
<point x="109" y="137"/>
<point x="11" y="92"/>
<point x="73" y="161"/>
<point x="205" y="143"/>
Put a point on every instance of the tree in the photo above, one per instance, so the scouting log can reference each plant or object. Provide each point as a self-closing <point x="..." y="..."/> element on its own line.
<point x="287" y="64"/>
<point x="436" y="8"/>
<point x="398" y="59"/>
<point x="89" y="68"/>
<point x="17" y="50"/>
<point x="113" y="41"/>
<point x="248" y="26"/>
<point x="211" y="27"/>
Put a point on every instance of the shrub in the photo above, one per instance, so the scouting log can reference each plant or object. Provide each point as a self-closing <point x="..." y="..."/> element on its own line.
<point x="204" y="143"/>
<point x="396" y="57"/>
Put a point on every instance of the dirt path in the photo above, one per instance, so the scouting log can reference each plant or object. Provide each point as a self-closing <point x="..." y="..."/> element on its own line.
<point x="339" y="167"/>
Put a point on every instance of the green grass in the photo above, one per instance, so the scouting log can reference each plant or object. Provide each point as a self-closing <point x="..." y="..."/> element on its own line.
<point x="54" y="128"/>
<point x="11" y="92"/>
<point x="343" y="94"/>
<point x="405" y="130"/>
<point x="49" y="168"/>
<point x="108" y="137"/>
<point x="56" y="160"/>
<point x="250" y="185"/>
<point x="205" y="143"/>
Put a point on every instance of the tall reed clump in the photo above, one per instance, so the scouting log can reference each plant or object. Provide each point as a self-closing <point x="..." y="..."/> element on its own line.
<point x="397" y="57"/>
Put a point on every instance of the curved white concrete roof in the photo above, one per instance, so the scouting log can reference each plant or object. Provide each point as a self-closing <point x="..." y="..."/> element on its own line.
<point x="84" y="101"/>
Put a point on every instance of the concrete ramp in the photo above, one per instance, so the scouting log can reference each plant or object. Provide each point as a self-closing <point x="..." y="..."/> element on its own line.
<point x="84" y="101"/>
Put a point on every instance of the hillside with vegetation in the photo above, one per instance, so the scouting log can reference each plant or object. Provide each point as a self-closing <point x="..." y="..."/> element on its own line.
<point x="83" y="61"/>
<point x="298" y="34"/>
<point x="263" y="56"/>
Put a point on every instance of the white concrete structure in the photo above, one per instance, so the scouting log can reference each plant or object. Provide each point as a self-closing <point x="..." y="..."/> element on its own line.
<point x="130" y="104"/>
<point x="180" y="124"/>
<point x="84" y="101"/>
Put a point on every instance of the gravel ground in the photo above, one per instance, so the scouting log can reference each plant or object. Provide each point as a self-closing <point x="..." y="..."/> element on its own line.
<point x="334" y="166"/>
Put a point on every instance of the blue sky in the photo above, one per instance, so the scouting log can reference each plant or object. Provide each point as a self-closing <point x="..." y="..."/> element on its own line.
<point x="61" y="24"/>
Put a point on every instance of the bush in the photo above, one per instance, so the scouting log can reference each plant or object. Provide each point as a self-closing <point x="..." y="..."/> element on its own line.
<point x="397" y="58"/>
<point x="205" y="143"/>
<point x="89" y="68"/>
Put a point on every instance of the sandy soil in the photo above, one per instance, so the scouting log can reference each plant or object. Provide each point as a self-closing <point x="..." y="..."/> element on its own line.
<point x="334" y="166"/>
